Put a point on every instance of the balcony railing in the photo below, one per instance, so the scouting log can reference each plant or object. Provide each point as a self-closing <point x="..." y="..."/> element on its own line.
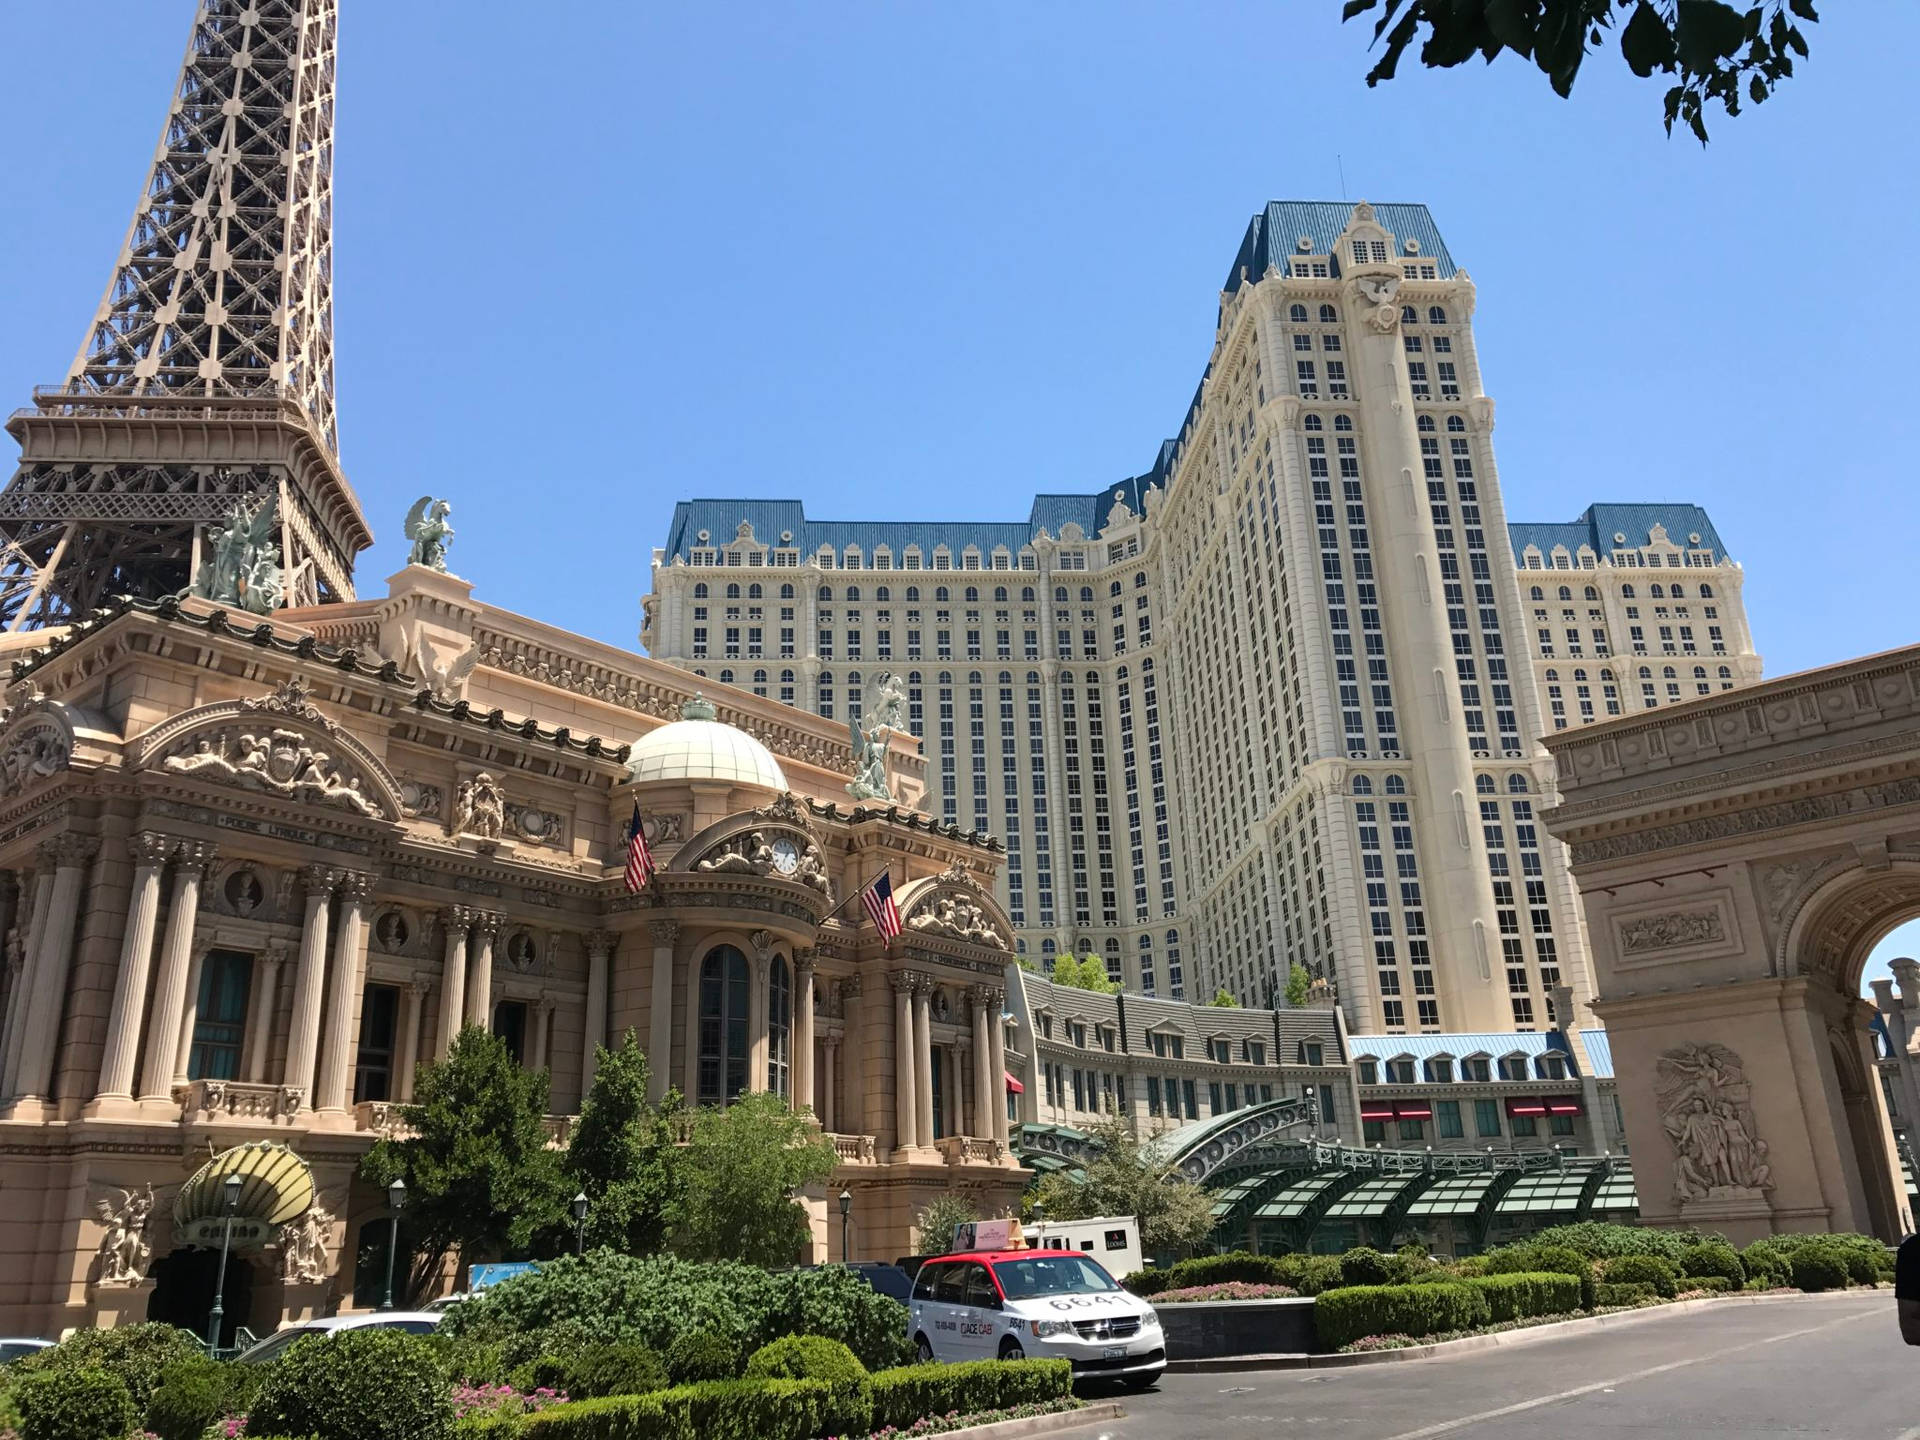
<point x="205" y="1100"/>
<point x="855" y="1149"/>
<point x="969" y="1150"/>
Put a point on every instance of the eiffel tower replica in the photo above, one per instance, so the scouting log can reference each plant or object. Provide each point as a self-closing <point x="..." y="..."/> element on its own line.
<point x="193" y="444"/>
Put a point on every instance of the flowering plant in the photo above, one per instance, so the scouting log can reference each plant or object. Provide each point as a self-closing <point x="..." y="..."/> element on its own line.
<point x="1226" y="1290"/>
<point x="492" y="1400"/>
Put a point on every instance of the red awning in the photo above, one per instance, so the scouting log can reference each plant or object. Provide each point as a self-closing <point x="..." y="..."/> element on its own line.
<point x="1015" y="1086"/>
<point x="1376" y="1112"/>
<point x="1419" y="1110"/>
<point x="1564" y="1107"/>
<point x="1526" y="1107"/>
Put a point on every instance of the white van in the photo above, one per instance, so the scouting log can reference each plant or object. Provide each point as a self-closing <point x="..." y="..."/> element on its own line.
<point x="1113" y="1240"/>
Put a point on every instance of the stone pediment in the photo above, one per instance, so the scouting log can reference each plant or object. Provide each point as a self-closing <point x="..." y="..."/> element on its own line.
<point x="953" y="907"/>
<point x="41" y="738"/>
<point x="774" y="842"/>
<point x="279" y="746"/>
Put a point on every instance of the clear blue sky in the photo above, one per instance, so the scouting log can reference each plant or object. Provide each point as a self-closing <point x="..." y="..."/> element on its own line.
<point x="923" y="260"/>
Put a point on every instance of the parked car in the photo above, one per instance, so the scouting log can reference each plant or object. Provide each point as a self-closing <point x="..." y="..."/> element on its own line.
<point x="1054" y="1304"/>
<point x="414" y="1322"/>
<point x="889" y="1280"/>
<point x="14" y="1348"/>
<point x="444" y="1303"/>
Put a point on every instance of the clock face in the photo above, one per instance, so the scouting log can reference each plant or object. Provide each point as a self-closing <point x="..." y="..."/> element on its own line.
<point x="786" y="856"/>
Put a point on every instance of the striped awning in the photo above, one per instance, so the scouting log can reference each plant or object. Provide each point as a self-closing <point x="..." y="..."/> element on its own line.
<point x="275" y="1186"/>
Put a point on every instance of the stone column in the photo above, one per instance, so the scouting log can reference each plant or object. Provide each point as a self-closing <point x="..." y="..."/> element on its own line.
<point x="70" y="856"/>
<point x="486" y="925"/>
<point x="149" y="852"/>
<point x="985" y="1014"/>
<point x="176" y="965"/>
<point x="923" y="1059"/>
<point x="829" y="1115"/>
<point x="22" y="994"/>
<point x="860" y="1020"/>
<point x="905" y="1112"/>
<point x="541" y="1015"/>
<point x="802" y="1037"/>
<point x="309" y="983"/>
<point x="333" y="1089"/>
<point x="266" y="986"/>
<point x="760" y="966"/>
<point x="600" y="945"/>
<point x="190" y="1012"/>
<point x="997" y="1070"/>
<point x="1907" y="974"/>
<point x="456" y="919"/>
<point x="660" y="1010"/>
<point x="412" y="996"/>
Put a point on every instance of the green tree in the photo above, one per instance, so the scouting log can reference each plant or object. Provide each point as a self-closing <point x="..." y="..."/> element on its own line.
<point x="1717" y="53"/>
<point x="480" y="1178"/>
<point x="739" y="1174"/>
<point x="1124" y="1177"/>
<point x="933" y="1227"/>
<point x="621" y="1154"/>
<point x="1299" y="985"/>
<point x="1083" y="973"/>
<point x="1223" y="1000"/>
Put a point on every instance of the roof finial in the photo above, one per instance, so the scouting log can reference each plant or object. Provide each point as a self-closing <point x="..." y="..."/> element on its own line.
<point x="698" y="708"/>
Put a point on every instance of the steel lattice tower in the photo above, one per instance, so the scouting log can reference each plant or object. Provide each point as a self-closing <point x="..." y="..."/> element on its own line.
<point x="206" y="377"/>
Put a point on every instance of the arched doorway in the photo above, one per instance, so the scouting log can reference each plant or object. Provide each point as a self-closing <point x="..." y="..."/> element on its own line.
<point x="183" y="1291"/>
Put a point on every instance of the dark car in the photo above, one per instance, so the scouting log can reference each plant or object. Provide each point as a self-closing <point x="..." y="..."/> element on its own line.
<point x="889" y="1280"/>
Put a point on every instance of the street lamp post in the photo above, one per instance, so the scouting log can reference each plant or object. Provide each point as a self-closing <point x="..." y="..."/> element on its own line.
<point x="846" y="1226"/>
<point x="396" y="1202"/>
<point x="229" y="1204"/>
<point x="579" y="1208"/>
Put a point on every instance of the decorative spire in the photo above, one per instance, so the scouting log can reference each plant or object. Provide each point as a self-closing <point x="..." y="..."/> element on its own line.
<point x="225" y="283"/>
<point x="698" y="708"/>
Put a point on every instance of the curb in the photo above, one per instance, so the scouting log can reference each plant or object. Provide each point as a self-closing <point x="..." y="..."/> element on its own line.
<point x="1229" y="1364"/>
<point x="1043" y="1424"/>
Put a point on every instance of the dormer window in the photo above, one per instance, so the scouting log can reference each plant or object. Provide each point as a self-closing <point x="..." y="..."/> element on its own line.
<point x="1440" y="1071"/>
<point x="1513" y="1067"/>
<point x="1222" y="1051"/>
<point x="1400" y="1072"/>
<point x="1476" y="1068"/>
<point x="1369" y="1072"/>
<point x="1311" y="1052"/>
<point x="1553" y="1067"/>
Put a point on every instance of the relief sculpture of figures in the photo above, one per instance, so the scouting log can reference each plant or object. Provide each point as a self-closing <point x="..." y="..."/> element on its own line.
<point x="303" y="1248"/>
<point x="280" y="763"/>
<point x="243" y="568"/>
<point x="1706" y="1110"/>
<point x="427" y="528"/>
<point x="124" y="1248"/>
<point x="480" y="808"/>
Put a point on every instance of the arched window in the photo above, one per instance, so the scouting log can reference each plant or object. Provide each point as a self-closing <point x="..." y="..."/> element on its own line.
<point x="1086" y="594"/>
<point x="1455" y="425"/>
<point x="1706" y="592"/>
<point x="973" y="595"/>
<point x="1566" y="592"/>
<point x="1396" y="785"/>
<point x="700" y="591"/>
<point x="1592" y="594"/>
<point x="1668" y="673"/>
<point x="1026" y="593"/>
<point x="1517" y="784"/>
<point x="1113" y="588"/>
<point x="780" y="1030"/>
<point x="1483" y="784"/>
<point x="1725" y="673"/>
<point x="1409" y="315"/>
<point x="786" y="592"/>
<point x="733" y="592"/>
<point x="1059" y="594"/>
<point x="1362" y="785"/>
<point x="1425" y="425"/>
<point x="853" y="594"/>
<point x="826" y="592"/>
<point x="883" y="595"/>
<point x="1297" y="314"/>
<point x="1699" y="672"/>
<point x="1329" y="315"/>
<point x="1436" y="316"/>
<point x="1659" y="593"/>
<point x="726" y="677"/>
<point x="940" y="595"/>
<point x="724" y="985"/>
<point x="1538" y="593"/>
<point x="1343" y="424"/>
<point x="753" y="592"/>
<point x="1626" y="592"/>
<point x="1311" y="422"/>
<point x="1553" y="674"/>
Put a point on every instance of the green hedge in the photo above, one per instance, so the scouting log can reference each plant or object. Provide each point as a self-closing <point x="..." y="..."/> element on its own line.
<point x="194" y="1393"/>
<point x="1718" y="1284"/>
<point x="1713" y="1257"/>
<point x="814" y="1357"/>
<point x="363" y="1384"/>
<point x="135" y="1353"/>
<point x="912" y="1392"/>
<point x="1342" y="1316"/>
<point x="75" y="1403"/>
<point x="1598" y="1240"/>
<point x="1522" y="1296"/>
<point x="1644" y="1270"/>
<point x="1309" y="1274"/>
<point x="1766" y="1269"/>
<point x="1819" y="1267"/>
<point x="1535" y="1259"/>
<point x="1624" y="1293"/>
<point x="716" y="1410"/>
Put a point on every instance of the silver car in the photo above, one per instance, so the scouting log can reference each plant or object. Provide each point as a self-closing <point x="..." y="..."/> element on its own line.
<point x="413" y="1322"/>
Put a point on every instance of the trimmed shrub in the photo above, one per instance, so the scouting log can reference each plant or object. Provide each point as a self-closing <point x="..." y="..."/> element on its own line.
<point x="834" y="1303"/>
<point x="1713" y="1257"/>
<point x="469" y="1362"/>
<point x="601" y="1370"/>
<point x="1717" y="1284"/>
<point x="703" y="1355"/>
<point x="75" y="1403"/>
<point x="1345" y="1315"/>
<point x="135" y="1353"/>
<point x="1819" y="1267"/>
<point x="1624" y="1293"/>
<point x="814" y="1357"/>
<point x="194" y="1393"/>
<point x="1311" y="1274"/>
<point x="1537" y="1259"/>
<point x="1522" y="1296"/>
<point x="900" y="1397"/>
<point x="1767" y="1269"/>
<point x="365" y="1384"/>
<point x="1643" y="1270"/>
<point x="1598" y="1240"/>
<point x="1366" y="1266"/>
<point x="717" y="1410"/>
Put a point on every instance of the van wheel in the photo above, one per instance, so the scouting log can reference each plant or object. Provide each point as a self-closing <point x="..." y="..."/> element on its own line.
<point x="924" y="1349"/>
<point x="1144" y="1381"/>
<point x="1010" y="1349"/>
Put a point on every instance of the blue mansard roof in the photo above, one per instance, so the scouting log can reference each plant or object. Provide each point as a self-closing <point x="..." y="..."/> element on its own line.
<point x="1274" y="235"/>
<point x="1597" y="526"/>
<point x="773" y="519"/>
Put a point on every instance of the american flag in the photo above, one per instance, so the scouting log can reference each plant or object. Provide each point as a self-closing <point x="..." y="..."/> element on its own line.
<point x="881" y="909"/>
<point x="639" y="857"/>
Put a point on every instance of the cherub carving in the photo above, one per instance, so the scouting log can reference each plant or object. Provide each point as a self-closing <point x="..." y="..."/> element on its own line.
<point x="124" y="1248"/>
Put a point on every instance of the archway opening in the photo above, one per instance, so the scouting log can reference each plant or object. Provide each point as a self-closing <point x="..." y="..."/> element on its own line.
<point x="183" y="1292"/>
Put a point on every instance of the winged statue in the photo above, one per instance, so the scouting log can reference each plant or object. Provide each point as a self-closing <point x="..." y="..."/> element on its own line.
<point x="869" y="761"/>
<point x="430" y="533"/>
<point x="444" y="679"/>
<point x="243" y="564"/>
<point x="124" y="1249"/>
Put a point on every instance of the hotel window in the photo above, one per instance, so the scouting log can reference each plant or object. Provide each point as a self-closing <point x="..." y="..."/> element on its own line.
<point x="220" y="1016"/>
<point x="1446" y="1119"/>
<point x="724" y="996"/>
<point x="1486" y="1119"/>
<point x="373" y="1064"/>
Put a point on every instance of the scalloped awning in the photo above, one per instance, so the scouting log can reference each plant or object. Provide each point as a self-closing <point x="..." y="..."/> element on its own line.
<point x="275" y="1185"/>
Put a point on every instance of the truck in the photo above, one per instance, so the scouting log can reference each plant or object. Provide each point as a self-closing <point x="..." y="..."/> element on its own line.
<point x="1113" y="1240"/>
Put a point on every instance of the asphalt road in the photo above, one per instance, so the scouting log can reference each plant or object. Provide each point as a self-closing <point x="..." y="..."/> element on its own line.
<point x="1830" y="1365"/>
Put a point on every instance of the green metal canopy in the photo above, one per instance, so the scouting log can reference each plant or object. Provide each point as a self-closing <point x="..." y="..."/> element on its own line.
<point x="1372" y="1198"/>
<point x="1298" y="1197"/>
<point x="1552" y="1193"/>
<point x="1454" y="1194"/>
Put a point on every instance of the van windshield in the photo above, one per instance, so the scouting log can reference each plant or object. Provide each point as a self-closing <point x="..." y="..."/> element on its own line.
<point x="1050" y="1273"/>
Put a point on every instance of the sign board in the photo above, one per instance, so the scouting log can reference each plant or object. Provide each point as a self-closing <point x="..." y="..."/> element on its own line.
<point x="988" y="1235"/>
<point x="482" y="1277"/>
<point x="248" y="1232"/>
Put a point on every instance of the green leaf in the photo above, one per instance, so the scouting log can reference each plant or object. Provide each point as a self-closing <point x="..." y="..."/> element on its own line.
<point x="1757" y="88"/>
<point x="1797" y="41"/>
<point x="1804" y="9"/>
<point x="1356" y="7"/>
<point x="1706" y="32"/>
<point x="1646" y="43"/>
<point x="1512" y="24"/>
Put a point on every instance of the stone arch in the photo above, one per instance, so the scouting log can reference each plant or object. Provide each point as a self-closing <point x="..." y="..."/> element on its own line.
<point x="952" y="907"/>
<point x="1830" y="928"/>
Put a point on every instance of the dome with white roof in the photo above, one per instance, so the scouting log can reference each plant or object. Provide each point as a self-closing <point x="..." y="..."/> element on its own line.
<point x="699" y="747"/>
